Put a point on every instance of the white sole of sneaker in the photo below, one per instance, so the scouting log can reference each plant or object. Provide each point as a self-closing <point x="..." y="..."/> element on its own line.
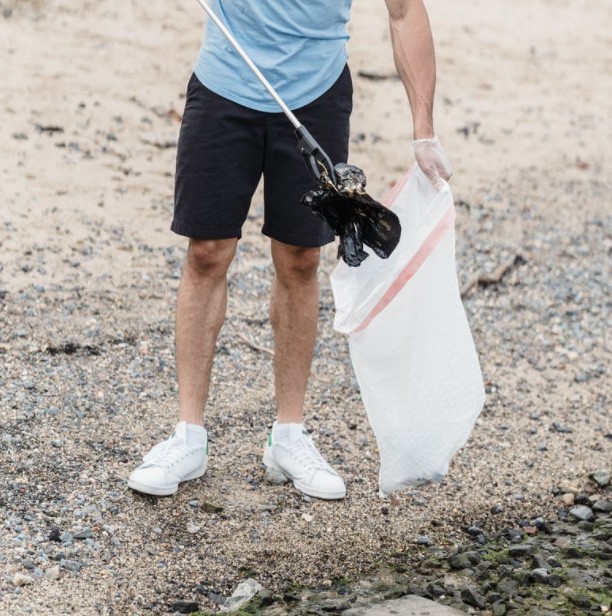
<point x="156" y="491"/>
<point x="269" y="463"/>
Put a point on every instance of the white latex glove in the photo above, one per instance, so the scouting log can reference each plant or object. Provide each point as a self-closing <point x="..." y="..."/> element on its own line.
<point x="432" y="160"/>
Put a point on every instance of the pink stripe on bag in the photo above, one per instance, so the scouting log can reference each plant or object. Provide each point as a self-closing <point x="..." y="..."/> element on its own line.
<point x="414" y="264"/>
<point x="397" y="188"/>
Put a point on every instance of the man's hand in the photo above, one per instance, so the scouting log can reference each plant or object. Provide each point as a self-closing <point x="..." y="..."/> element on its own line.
<point x="432" y="160"/>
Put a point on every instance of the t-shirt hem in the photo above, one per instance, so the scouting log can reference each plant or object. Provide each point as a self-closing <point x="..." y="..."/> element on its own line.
<point x="272" y="107"/>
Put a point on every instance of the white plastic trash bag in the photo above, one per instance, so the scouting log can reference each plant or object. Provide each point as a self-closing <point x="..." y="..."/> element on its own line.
<point x="410" y="341"/>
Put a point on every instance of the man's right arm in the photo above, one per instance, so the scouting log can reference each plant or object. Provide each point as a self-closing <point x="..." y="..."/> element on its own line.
<point x="413" y="52"/>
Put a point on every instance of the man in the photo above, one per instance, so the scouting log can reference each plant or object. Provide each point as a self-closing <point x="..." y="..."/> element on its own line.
<point x="231" y="134"/>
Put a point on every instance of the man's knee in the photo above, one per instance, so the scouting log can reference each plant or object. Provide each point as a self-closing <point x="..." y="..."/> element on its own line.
<point x="210" y="257"/>
<point x="297" y="264"/>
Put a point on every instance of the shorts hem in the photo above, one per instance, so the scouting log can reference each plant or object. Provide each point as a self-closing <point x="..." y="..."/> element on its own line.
<point x="205" y="233"/>
<point x="295" y="239"/>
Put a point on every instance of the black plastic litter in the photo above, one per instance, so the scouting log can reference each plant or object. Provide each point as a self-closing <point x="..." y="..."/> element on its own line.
<point x="354" y="216"/>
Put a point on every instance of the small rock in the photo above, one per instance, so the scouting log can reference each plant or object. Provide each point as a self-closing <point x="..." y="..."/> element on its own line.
<point x="507" y="587"/>
<point x="184" y="607"/>
<point x="192" y="529"/>
<point x="602" y="478"/>
<point x="579" y="600"/>
<point x="554" y="580"/>
<point x="307" y="517"/>
<point x="523" y="576"/>
<point x="211" y="508"/>
<point x="74" y="566"/>
<point x="86" y="533"/>
<point x="244" y="592"/>
<point x="583" y="499"/>
<point x="539" y="574"/>
<point x="498" y="609"/>
<point x="53" y="573"/>
<point x="603" y="506"/>
<point x="274" y="477"/>
<point x="435" y="589"/>
<point x="530" y="530"/>
<point x="335" y="604"/>
<point x="471" y="597"/>
<point x="517" y="551"/>
<point x="568" y="499"/>
<point x="542" y="525"/>
<point x="463" y="560"/>
<point x="194" y="503"/>
<point x="582" y="512"/>
<point x="66" y="538"/>
<point x="19" y="579"/>
<point x="423" y="540"/>
<point x="559" y="427"/>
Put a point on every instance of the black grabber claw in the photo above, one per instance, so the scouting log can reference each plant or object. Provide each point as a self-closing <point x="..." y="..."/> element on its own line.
<point x="316" y="159"/>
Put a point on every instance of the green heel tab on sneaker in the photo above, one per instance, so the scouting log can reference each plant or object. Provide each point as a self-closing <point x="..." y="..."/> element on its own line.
<point x="270" y="439"/>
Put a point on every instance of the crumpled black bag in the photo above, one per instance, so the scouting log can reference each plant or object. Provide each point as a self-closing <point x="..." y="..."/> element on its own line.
<point x="354" y="216"/>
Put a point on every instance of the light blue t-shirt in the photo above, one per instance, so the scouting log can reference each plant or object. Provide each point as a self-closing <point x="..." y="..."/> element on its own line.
<point x="299" y="45"/>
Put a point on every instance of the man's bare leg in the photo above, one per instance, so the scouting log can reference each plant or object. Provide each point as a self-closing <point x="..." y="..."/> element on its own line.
<point x="200" y="311"/>
<point x="294" y="309"/>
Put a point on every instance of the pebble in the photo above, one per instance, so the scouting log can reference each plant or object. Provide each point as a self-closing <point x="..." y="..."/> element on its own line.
<point x="184" y="607"/>
<point x="473" y="598"/>
<point x="274" y="477"/>
<point x="463" y="560"/>
<point x="53" y="573"/>
<point x="71" y="565"/>
<point x="582" y="512"/>
<point x="518" y="551"/>
<point x="19" y="579"/>
<point x="307" y="517"/>
<point x="540" y="574"/>
<point x="66" y="538"/>
<point x="603" y="506"/>
<point x="568" y="499"/>
<point x="602" y="478"/>
<point x="86" y="533"/>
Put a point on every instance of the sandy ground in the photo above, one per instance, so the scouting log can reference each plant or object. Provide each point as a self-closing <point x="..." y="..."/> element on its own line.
<point x="86" y="259"/>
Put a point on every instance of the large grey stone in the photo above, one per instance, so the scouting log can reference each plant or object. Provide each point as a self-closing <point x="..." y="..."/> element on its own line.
<point x="244" y="592"/>
<point x="410" y="605"/>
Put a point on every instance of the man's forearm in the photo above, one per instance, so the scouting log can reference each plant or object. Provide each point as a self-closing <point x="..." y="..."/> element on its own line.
<point x="413" y="52"/>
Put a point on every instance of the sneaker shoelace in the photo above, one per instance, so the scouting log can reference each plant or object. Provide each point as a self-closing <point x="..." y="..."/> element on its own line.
<point x="167" y="452"/>
<point x="308" y="455"/>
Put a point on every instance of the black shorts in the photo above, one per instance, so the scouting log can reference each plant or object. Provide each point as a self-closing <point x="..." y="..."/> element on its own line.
<point x="223" y="150"/>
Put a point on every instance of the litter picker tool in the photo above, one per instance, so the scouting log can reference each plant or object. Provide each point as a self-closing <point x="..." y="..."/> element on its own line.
<point x="341" y="199"/>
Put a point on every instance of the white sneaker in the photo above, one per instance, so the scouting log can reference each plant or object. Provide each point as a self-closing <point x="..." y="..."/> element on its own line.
<point x="169" y="463"/>
<point x="301" y="462"/>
